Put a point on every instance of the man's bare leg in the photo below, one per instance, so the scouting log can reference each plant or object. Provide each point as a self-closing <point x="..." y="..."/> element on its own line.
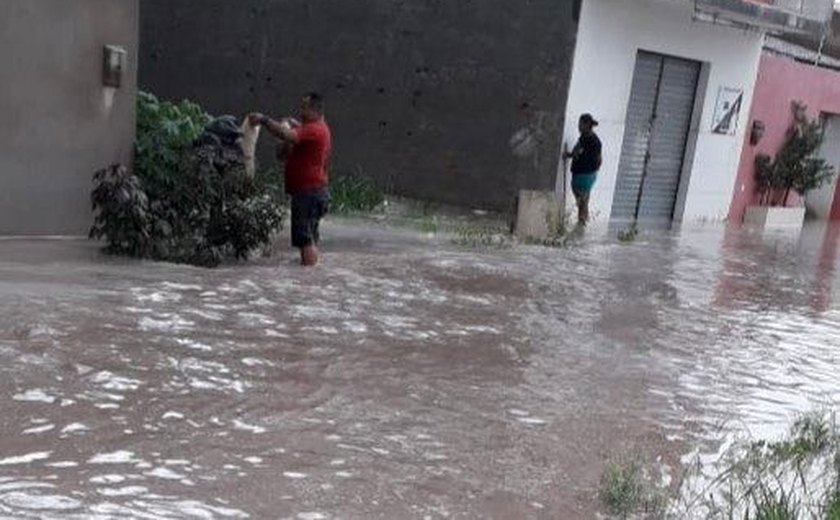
<point x="309" y="255"/>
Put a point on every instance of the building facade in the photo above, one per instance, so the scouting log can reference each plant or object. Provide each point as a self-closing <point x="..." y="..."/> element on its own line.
<point x="60" y="122"/>
<point x="782" y="81"/>
<point x="671" y="82"/>
<point x="652" y="74"/>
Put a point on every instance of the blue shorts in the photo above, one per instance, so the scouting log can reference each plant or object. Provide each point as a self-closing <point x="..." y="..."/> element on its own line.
<point x="307" y="211"/>
<point x="582" y="183"/>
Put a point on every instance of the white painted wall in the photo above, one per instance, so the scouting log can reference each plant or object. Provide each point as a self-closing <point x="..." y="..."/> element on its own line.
<point x="609" y="36"/>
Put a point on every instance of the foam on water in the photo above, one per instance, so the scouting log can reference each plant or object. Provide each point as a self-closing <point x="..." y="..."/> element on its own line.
<point x="115" y="457"/>
<point x="38" y="429"/>
<point x="34" y="396"/>
<point x="124" y="491"/>
<point x="164" y="473"/>
<point x="170" y="323"/>
<point x="311" y="516"/>
<point x="107" y="479"/>
<point x="62" y="464"/>
<point x="74" y="428"/>
<point x="111" y="381"/>
<point x="25" y="459"/>
<point x="192" y="344"/>
<point x="39" y="502"/>
<point x="241" y="425"/>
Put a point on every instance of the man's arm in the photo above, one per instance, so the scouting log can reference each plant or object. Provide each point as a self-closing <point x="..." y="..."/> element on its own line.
<point x="283" y="130"/>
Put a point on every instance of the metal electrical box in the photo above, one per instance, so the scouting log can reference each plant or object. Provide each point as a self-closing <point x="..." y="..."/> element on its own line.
<point x="114" y="65"/>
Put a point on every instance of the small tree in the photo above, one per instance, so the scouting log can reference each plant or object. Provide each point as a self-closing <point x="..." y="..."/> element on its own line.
<point x="188" y="198"/>
<point x="796" y="167"/>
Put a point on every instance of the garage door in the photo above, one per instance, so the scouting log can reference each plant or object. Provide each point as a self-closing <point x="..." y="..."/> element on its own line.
<point x="656" y="133"/>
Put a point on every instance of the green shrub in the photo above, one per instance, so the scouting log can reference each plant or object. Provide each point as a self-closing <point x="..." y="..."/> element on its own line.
<point x="797" y="166"/>
<point x="122" y="212"/>
<point x="832" y="509"/>
<point x="251" y="222"/>
<point x="189" y="200"/>
<point x="164" y="132"/>
<point x="355" y="193"/>
<point x="773" y="507"/>
<point x="627" y="490"/>
<point x="796" y="477"/>
<point x="622" y="487"/>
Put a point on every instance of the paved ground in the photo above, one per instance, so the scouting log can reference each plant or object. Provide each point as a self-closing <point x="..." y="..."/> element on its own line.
<point x="404" y="378"/>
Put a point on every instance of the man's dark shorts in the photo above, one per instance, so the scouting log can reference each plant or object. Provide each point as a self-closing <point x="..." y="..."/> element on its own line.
<point x="307" y="211"/>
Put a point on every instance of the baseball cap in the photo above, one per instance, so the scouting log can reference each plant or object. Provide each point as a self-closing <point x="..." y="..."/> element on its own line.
<point x="587" y="118"/>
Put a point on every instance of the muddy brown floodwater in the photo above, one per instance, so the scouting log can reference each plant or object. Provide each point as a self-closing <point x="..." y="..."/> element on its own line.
<point x="405" y="378"/>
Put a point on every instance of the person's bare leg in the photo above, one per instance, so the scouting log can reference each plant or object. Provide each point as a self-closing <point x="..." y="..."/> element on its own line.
<point x="583" y="208"/>
<point x="579" y="202"/>
<point x="309" y="255"/>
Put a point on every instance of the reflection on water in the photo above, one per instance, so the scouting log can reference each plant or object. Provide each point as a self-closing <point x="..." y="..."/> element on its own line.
<point x="406" y="378"/>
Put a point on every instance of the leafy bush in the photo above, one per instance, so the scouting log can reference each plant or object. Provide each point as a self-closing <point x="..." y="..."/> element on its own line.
<point x="796" y="166"/>
<point x="352" y="193"/>
<point x="190" y="199"/>
<point x="249" y="222"/>
<point x="123" y="211"/>
<point x="164" y="132"/>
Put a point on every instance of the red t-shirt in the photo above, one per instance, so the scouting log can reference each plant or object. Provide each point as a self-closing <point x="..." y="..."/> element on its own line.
<point x="306" y="165"/>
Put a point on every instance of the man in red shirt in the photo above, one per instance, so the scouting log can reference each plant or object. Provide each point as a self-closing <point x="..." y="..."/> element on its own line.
<point x="310" y="143"/>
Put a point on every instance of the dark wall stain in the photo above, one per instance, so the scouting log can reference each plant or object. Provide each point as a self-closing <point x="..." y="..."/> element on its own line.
<point x="422" y="95"/>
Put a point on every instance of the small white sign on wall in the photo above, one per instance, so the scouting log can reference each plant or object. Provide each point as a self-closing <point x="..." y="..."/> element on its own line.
<point x="727" y="110"/>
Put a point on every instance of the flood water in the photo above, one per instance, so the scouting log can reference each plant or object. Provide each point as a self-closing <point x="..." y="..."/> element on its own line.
<point x="404" y="378"/>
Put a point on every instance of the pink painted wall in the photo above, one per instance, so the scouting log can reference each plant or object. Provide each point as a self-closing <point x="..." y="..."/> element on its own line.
<point x="780" y="82"/>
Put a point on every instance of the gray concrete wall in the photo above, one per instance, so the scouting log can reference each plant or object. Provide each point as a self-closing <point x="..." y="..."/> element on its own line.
<point x="830" y="47"/>
<point x="58" y="124"/>
<point x="423" y="95"/>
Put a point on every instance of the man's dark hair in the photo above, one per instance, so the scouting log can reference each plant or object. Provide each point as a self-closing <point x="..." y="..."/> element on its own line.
<point x="316" y="101"/>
